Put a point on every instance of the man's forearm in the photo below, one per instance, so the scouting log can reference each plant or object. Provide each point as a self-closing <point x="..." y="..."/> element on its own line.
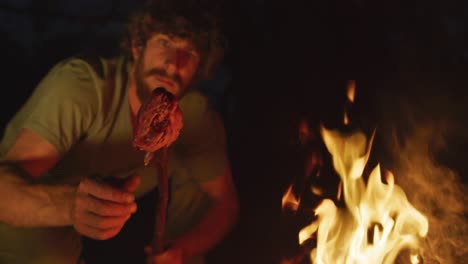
<point x="33" y="205"/>
<point x="218" y="221"/>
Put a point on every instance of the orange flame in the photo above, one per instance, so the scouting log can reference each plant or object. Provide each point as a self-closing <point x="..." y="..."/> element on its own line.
<point x="289" y="200"/>
<point x="351" y="92"/>
<point x="378" y="221"/>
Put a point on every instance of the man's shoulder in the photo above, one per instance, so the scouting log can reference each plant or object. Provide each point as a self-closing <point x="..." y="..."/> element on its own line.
<point x="195" y="101"/>
<point x="99" y="76"/>
<point x="88" y="80"/>
<point x="201" y="121"/>
<point x="93" y="61"/>
<point x="100" y="66"/>
<point x="195" y="107"/>
<point x="109" y="77"/>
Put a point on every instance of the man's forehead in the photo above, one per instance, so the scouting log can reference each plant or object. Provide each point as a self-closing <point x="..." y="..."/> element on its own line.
<point x="186" y="42"/>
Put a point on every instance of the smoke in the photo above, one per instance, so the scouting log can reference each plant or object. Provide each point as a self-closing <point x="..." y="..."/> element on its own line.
<point x="414" y="133"/>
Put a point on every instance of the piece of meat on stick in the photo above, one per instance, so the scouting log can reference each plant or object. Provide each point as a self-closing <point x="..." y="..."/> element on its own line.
<point x="159" y="121"/>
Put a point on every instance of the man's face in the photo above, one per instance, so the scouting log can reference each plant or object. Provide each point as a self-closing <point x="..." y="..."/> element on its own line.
<point x="164" y="62"/>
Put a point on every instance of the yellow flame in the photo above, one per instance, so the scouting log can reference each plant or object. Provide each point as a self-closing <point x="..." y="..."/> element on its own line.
<point x="415" y="259"/>
<point x="289" y="200"/>
<point x="378" y="221"/>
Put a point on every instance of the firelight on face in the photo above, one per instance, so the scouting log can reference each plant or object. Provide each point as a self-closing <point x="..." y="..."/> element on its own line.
<point x="165" y="62"/>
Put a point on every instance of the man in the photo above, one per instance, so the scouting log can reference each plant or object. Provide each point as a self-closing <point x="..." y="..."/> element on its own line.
<point x="75" y="133"/>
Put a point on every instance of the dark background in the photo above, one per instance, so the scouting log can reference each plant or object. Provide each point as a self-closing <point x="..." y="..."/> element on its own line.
<point x="285" y="61"/>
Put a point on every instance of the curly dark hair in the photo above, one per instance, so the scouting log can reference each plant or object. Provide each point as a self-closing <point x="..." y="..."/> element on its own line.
<point x="191" y="20"/>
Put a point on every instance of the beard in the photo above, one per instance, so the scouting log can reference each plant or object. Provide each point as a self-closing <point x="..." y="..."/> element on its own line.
<point x="144" y="90"/>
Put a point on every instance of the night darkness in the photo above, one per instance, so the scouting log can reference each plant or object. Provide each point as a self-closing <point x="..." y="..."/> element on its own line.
<point x="286" y="60"/>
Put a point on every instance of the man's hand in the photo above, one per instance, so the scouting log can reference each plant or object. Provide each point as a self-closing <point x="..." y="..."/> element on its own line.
<point x="100" y="210"/>
<point x="170" y="256"/>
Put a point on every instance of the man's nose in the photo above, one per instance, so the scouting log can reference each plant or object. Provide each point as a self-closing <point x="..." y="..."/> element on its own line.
<point x="177" y="59"/>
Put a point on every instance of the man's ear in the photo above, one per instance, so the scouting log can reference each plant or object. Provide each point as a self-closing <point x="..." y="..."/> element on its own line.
<point x="136" y="50"/>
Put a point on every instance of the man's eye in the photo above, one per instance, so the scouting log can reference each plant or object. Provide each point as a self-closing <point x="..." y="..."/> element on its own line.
<point x="163" y="43"/>
<point x="192" y="55"/>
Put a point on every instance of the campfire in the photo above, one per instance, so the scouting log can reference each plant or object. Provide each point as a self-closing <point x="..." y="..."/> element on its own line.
<point x="370" y="220"/>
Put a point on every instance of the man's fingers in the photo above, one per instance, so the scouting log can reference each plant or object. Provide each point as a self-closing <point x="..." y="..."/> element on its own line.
<point x="101" y="210"/>
<point x="103" y="207"/>
<point x="132" y="183"/>
<point x="104" y="222"/>
<point x="106" y="192"/>
<point x="96" y="233"/>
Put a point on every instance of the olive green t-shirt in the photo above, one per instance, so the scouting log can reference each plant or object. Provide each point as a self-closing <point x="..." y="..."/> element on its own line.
<point x="81" y="107"/>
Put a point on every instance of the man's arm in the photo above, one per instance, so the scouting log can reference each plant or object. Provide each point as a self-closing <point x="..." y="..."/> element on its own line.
<point x="216" y="223"/>
<point x="94" y="209"/>
<point x="22" y="203"/>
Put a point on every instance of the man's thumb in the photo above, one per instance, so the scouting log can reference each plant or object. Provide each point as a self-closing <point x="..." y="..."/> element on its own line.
<point x="132" y="183"/>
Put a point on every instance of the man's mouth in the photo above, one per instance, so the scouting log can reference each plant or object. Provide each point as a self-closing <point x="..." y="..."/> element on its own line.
<point x="166" y="81"/>
<point x="169" y="82"/>
<point x="170" y="85"/>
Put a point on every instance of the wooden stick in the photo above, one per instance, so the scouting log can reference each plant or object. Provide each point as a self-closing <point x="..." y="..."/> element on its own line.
<point x="161" y="211"/>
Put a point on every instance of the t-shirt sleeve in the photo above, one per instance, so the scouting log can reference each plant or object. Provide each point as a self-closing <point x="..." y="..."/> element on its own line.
<point x="62" y="107"/>
<point x="203" y="139"/>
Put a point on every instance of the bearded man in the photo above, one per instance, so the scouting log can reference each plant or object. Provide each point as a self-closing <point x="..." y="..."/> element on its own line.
<point x="69" y="172"/>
